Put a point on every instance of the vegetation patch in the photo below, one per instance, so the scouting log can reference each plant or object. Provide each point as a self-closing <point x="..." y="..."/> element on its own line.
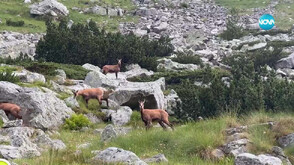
<point x="76" y="122"/>
<point x="64" y="45"/>
<point x="9" y="22"/>
<point x="187" y="58"/>
<point x="48" y="69"/>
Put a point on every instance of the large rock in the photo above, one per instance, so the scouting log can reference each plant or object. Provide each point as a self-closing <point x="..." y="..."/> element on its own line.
<point x="236" y="147"/>
<point x="112" y="12"/>
<point x="39" y="109"/>
<point x="161" y="27"/>
<point x="287" y="62"/>
<point x="143" y="11"/>
<point x="108" y="133"/>
<point x="169" y="65"/>
<point x="286" y="141"/>
<point x="12" y="44"/>
<point x="29" y="77"/>
<point x="129" y="93"/>
<point x="26" y="142"/>
<point x="98" y="79"/>
<point x="118" y="155"/>
<point x="122" y="116"/>
<point x="250" y="159"/>
<point x="156" y="159"/>
<point x="96" y="10"/>
<point x="49" y="7"/>
<point x="173" y="103"/>
<point x="91" y="67"/>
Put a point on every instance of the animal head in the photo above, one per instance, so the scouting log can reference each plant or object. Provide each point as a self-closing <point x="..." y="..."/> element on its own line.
<point x="141" y="104"/>
<point x="75" y="93"/>
<point x="119" y="62"/>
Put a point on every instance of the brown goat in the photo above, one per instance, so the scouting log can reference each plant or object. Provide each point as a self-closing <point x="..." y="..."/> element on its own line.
<point x="112" y="68"/>
<point x="12" y="109"/>
<point x="94" y="93"/>
<point x="149" y="115"/>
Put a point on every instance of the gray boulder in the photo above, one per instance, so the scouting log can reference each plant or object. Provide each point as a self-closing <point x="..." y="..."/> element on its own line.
<point x="173" y="103"/>
<point x="161" y="27"/>
<point x="287" y="62"/>
<point x="39" y="109"/>
<point x="112" y="12"/>
<point x="169" y="65"/>
<point x="98" y="79"/>
<point x="12" y="123"/>
<point x="72" y="102"/>
<point x="108" y="133"/>
<point x="48" y="7"/>
<point x="91" y="67"/>
<point x="96" y="10"/>
<point x="236" y="147"/>
<point x="29" y="77"/>
<point x="122" y="116"/>
<point x="156" y="159"/>
<point x="143" y="11"/>
<point x="250" y="159"/>
<point x="286" y="141"/>
<point x="3" y="116"/>
<point x="118" y="155"/>
<point x="94" y="119"/>
<point x="129" y="93"/>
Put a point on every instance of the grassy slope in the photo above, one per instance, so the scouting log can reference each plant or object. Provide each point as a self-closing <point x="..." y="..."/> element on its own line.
<point x="284" y="10"/>
<point x="188" y="144"/>
<point x="16" y="10"/>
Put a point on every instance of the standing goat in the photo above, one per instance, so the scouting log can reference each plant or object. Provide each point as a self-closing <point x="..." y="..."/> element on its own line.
<point x="149" y="115"/>
<point x="12" y="109"/>
<point x="112" y="68"/>
<point x="94" y="93"/>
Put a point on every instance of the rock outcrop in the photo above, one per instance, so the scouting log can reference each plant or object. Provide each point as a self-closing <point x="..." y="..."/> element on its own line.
<point x="118" y="155"/>
<point x="49" y="7"/>
<point x="39" y="109"/>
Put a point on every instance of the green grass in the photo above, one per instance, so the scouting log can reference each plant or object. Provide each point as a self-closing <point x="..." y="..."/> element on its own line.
<point x="242" y="4"/>
<point x="284" y="17"/>
<point x="47" y="69"/>
<point x="190" y="143"/>
<point x="16" y="10"/>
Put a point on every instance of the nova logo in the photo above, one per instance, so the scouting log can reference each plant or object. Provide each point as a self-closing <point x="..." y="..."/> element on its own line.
<point x="4" y="162"/>
<point x="266" y="22"/>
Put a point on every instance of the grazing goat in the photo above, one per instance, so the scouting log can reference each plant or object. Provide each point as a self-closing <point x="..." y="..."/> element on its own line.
<point x="149" y="115"/>
<point x="94" y="93"/>
<point x="112" y="68"/>
<point x="12" y="109"/>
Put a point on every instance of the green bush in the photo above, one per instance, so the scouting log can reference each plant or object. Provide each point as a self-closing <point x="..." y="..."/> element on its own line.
<point x="88" y="44"/>
<point x="9" y="22"/>
<point x="48" y="68"/>
<point x="9" y="76"/>
<point x="187" y="58"/>
<point x="76" y="122"/>
<point x="233" y="31"/>
<point x="184" y="5"/>
<point x="1" y="122"/>
<point x="136" y="121"/>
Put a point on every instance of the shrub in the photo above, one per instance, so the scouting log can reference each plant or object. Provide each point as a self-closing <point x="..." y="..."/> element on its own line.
<point x="76" y="122"/>
<point x="184" y="5"/>
<point x="136" y="121"/>
<point x="233" y="31"/>
<point x="48" y="68"/>
<point x="9" y="76"/>
<point x="87" y="44"/>
<point x="9" y="22"/>
<point x="187" y="58"/>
